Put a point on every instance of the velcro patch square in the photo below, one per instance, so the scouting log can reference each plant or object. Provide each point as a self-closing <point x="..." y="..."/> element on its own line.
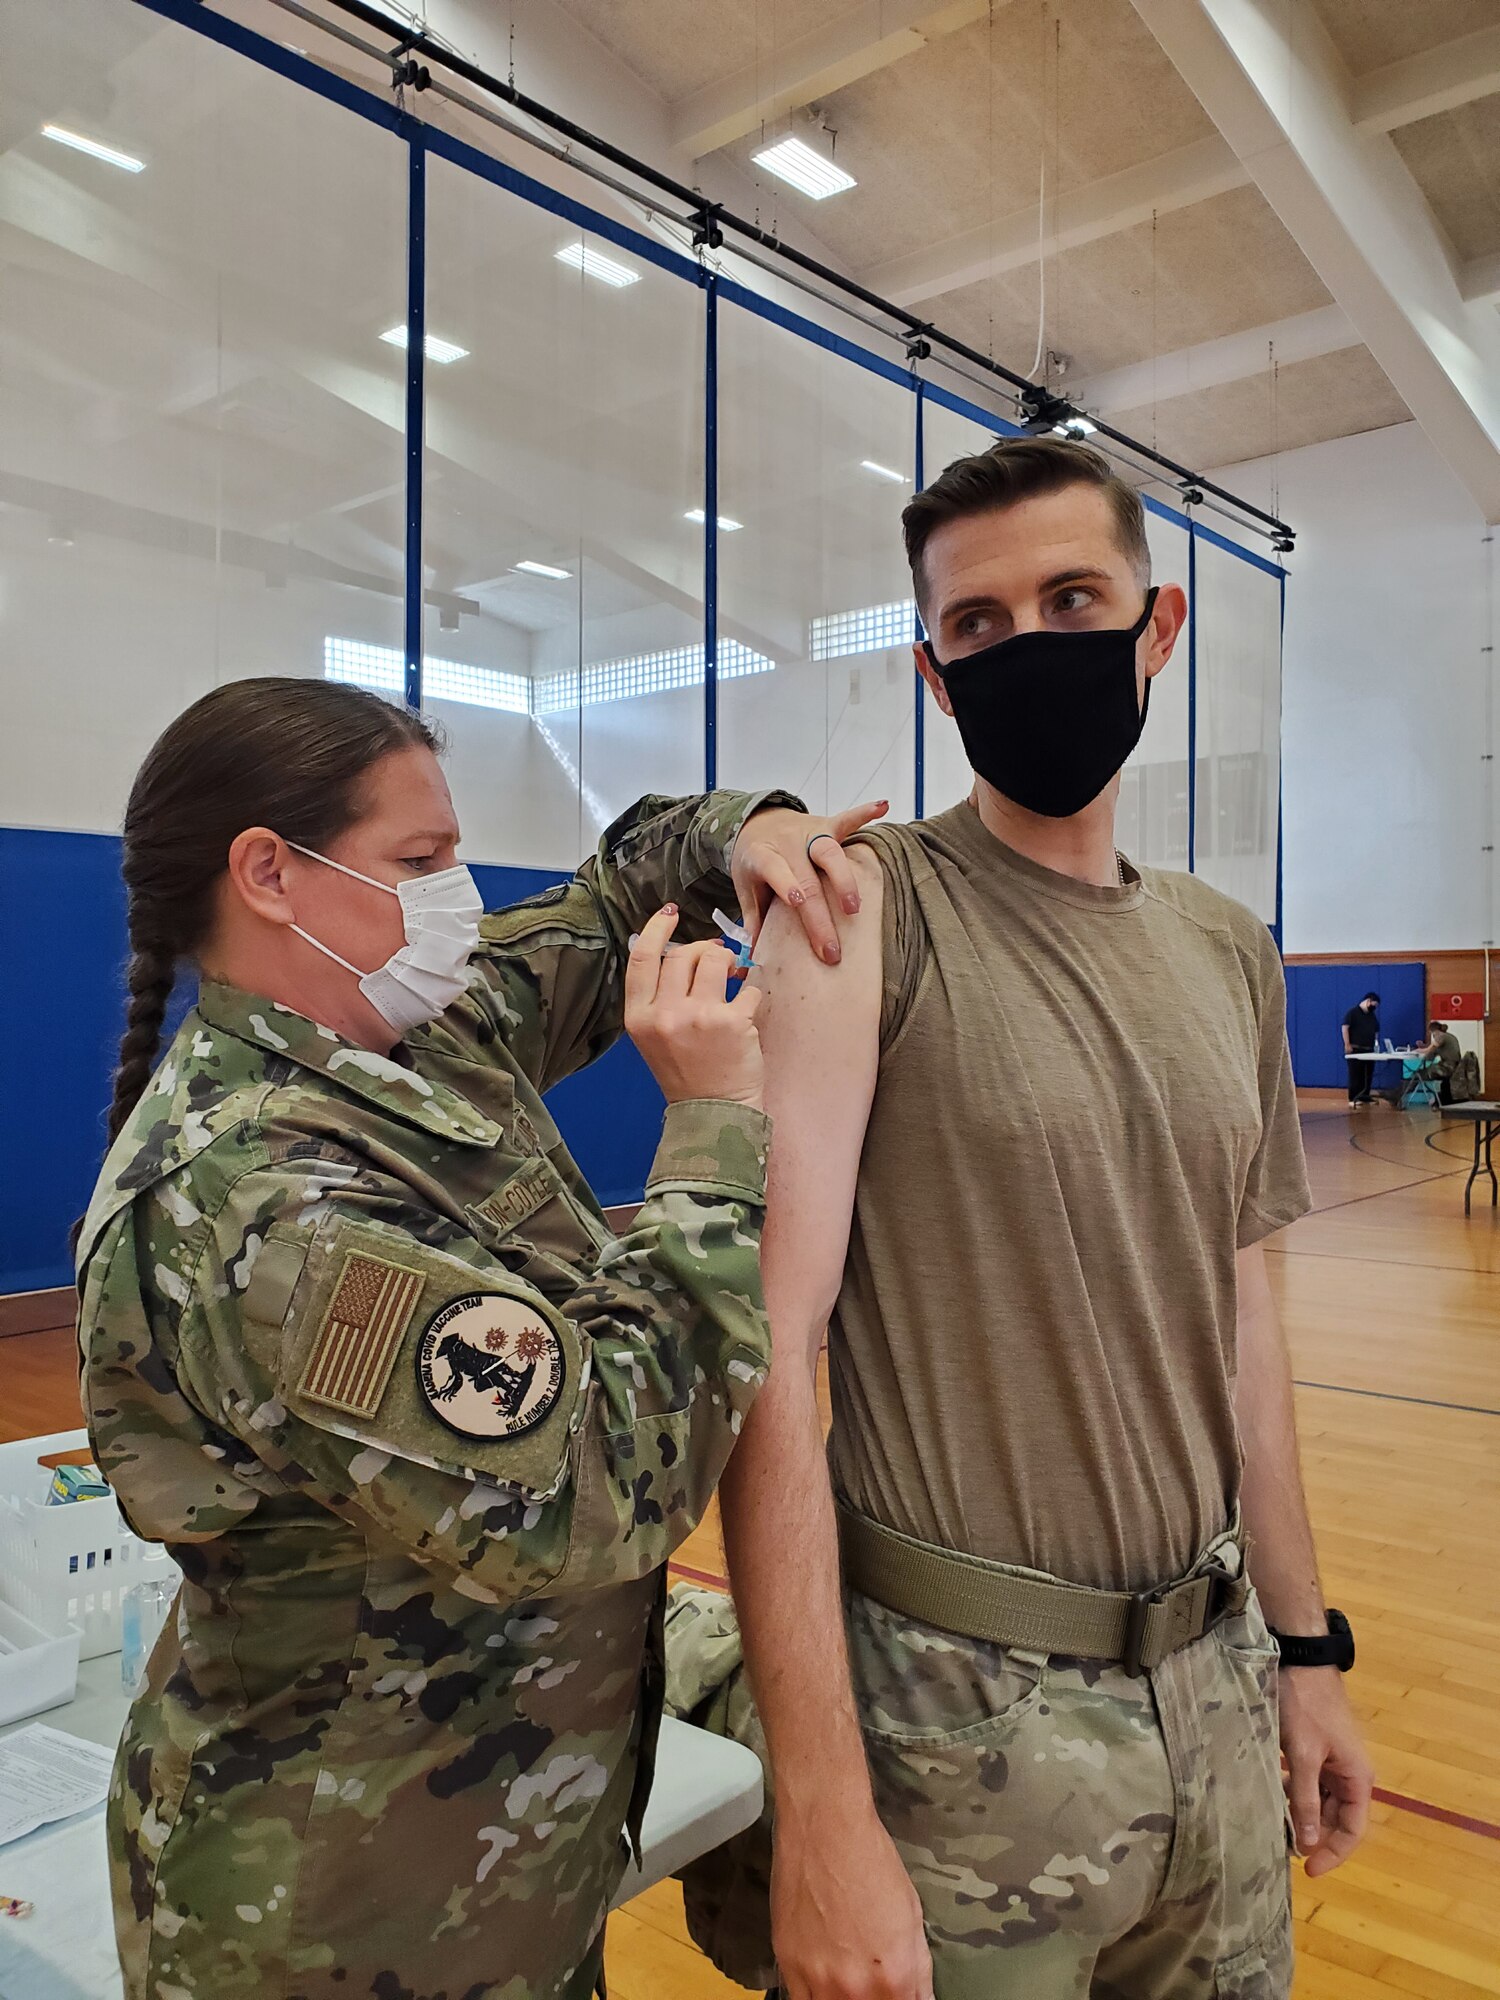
<point x="355" y="1350"/>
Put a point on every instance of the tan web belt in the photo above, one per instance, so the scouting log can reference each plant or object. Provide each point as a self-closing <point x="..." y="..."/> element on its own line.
<point x="959" y="1593"/>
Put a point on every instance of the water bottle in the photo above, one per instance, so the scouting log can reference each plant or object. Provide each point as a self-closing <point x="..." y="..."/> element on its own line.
<point x="143" y="1612"/>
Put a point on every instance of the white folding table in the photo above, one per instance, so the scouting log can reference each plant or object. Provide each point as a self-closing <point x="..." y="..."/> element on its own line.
<point x="1373" y="1056"/>
<point x="707" y="1790"/>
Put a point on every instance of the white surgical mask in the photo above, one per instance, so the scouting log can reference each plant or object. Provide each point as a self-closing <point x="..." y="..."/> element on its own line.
<point x="440" y="914"/>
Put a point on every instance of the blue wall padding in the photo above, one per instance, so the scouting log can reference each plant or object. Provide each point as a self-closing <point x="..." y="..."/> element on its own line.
<point x="62" y="1009"/>
<point x="1319" y="996"/>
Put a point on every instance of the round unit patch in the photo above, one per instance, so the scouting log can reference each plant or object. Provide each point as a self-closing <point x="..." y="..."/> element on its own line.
<point x="490" y="1367"/>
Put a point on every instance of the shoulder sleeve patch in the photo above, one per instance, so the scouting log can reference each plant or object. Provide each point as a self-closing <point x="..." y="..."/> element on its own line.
<point x="490" y="1367"/>
<point x="360" y="1333"/>
<point x="423" y="1355"/>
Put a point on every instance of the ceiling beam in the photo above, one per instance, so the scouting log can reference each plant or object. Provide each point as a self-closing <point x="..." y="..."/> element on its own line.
<point x="854" y="45"/>
<point x="1099" y="208"/>
<point x="1438" y="79"/>
<point x="203" y="541"/>
<point x="1237" y="357"/>
<point x="1480" y="281"/>
<point x="1275" y="86"/>
<point x="1211" y="363"/>
<point x="1453" y="73"/>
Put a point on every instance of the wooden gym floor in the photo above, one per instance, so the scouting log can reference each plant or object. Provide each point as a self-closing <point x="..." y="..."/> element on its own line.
<point x="1392" y="1304"/>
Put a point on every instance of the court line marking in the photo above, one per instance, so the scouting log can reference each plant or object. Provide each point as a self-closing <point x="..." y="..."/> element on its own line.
<point x="1422" y="1807"/>
<point x="1464" y="1821"/>
<point x="1401" y="1187"/>
<point x="1385" y="1160"/>
<point x="1390" y="1396"/>
<point x="1444" y="1132"/>
<point x="1388" y="1263"/>
<point x="698" y="1576"/>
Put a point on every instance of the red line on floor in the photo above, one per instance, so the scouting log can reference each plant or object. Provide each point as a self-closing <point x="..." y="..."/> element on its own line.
<point x="1461" y="1820"/>
<point x="698" y="1576"/>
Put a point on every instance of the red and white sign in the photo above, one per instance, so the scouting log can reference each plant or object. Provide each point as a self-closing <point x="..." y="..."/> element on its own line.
<point x="1456" y="1006"/>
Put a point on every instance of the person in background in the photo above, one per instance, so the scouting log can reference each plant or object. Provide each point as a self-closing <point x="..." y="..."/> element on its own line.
<point x="1441" y="1054"/>
<point x="1361" y="1030"/>
<point x="359" y="1348"/>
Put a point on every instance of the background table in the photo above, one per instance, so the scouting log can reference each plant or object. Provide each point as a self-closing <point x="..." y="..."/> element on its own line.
<point x="707" y="1790"/>
<point x="1484" y="1115"/>
<point x="1373" y="1056"/>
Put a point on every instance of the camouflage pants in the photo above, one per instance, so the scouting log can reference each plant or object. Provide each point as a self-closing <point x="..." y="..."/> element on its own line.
<point x="1073" y="1831"/>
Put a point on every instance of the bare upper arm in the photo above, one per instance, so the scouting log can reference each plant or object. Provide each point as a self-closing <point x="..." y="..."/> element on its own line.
<point x="1255" y="1304"/>
<point x="821" y="1034"/>
<point x="1260" y="1342"/>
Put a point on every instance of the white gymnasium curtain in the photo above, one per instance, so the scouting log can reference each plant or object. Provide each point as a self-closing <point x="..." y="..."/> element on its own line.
<point x="1152" y="824"/>
<point x="1238" y="607"/>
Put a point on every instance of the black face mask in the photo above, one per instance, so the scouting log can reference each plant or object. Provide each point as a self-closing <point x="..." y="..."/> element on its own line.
<point x="1048" y="718"/>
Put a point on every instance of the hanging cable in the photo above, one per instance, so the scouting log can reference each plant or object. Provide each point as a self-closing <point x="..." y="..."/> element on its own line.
<point x="1041" y="270"/>
<point x="1275" y="427"/>
<point x="990" y="166"/>
<point x="1157" y="341"/>
<point x="1054" y="234"/>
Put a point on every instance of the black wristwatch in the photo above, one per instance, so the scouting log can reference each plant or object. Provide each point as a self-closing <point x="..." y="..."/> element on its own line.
<point x="1336" y="1650"/>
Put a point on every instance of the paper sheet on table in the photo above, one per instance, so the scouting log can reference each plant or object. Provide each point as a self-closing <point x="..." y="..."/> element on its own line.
<point x="47" y="1775"/>
<point x="65" y="1950"/>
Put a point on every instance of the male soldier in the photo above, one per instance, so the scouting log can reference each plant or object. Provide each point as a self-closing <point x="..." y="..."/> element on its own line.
<point x="1046" y="1104"/>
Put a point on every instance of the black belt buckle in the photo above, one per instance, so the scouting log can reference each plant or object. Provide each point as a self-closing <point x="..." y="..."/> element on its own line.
<point x="1135" y="1628"/>
<point x="1225" y="1593"/>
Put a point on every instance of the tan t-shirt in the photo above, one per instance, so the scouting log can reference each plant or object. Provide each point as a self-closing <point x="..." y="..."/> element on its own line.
<point x="1085" y="1106"/>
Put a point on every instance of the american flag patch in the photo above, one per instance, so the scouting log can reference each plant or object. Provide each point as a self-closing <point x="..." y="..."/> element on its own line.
<point x="355" y="1350"/>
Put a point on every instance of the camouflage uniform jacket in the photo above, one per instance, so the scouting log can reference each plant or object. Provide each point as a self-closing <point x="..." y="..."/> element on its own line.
<point x="360" y="1350"/>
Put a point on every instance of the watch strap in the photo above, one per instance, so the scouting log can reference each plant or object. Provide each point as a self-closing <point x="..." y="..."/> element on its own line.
<point x="1335" y="1648"/>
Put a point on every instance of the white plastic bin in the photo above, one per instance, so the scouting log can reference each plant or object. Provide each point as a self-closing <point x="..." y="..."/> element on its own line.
<point x="67" y="1565"/>
<point x="38" y="1670"/>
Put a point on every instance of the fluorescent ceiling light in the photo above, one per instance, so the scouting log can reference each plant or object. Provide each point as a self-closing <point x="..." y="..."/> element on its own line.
<point x="697" y="514"/>
<point x="791" y="161"/>
<point x="92" y="146"/>
<point x="882" y="471"/>
<point x="432" y="347"/>
<point x="594" y="264"/>
<point x="543" y="569"/>
<point x="1074" y="427"/>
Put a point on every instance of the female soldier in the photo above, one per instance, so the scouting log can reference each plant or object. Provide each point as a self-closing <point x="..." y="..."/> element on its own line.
<point x="358" y="1347"/>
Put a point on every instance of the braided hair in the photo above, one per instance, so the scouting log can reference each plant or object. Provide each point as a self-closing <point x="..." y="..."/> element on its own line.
<point x="286" y="754"/>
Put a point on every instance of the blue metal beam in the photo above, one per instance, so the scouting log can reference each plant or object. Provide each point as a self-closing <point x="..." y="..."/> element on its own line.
<point x="711" y="538"/>
<point x="416" y="364"/>
<point x="919" y="477"/>
<point x="1192" y="747"/>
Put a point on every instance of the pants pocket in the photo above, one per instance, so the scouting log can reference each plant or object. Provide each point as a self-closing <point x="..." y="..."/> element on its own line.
<point x="1264" y="1972"/>
<point x="1034" y="1825"/>
<point x="920" y="1688"/>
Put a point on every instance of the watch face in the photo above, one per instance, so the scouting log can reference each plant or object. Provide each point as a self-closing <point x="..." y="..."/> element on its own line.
<point x="1342" y="1634"/>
